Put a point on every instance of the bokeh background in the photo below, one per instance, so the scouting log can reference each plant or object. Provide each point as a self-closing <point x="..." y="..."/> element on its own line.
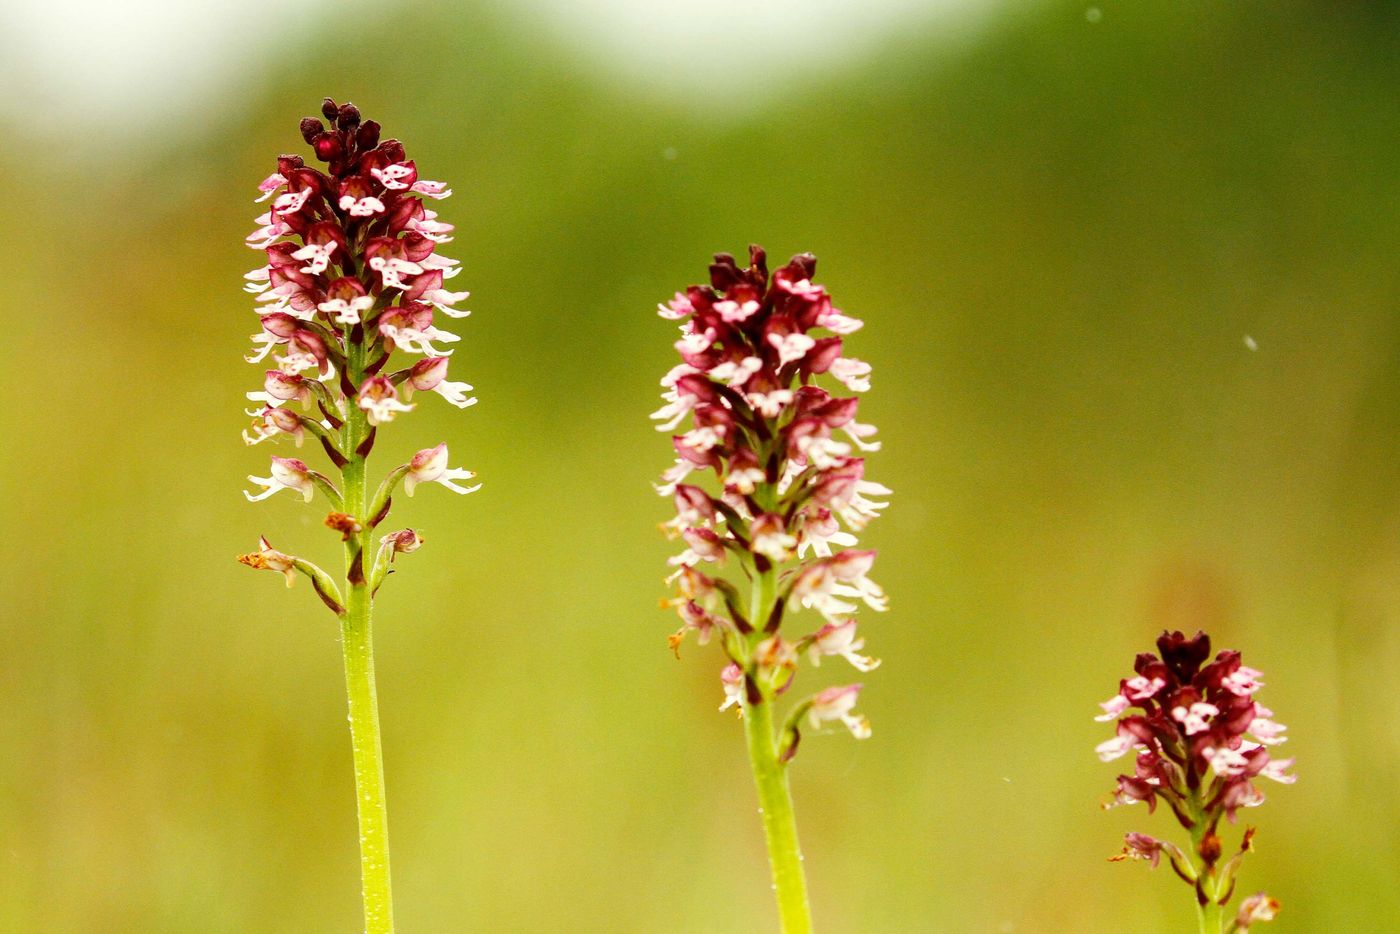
<point x="1130" y="283"/>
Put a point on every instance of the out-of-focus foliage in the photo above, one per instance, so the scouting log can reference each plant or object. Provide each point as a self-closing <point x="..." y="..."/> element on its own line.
<point x="1065" y="240"/>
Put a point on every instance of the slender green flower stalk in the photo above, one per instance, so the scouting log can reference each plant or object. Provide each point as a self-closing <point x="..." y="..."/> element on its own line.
<point x="1192" y="753"/>
<point x="352" y="276"/>
<point x="748" y="379"/>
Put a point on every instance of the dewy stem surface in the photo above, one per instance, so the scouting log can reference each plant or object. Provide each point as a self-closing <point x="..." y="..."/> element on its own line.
<point x="774" y="795"/>
<point x="358" y="645"/>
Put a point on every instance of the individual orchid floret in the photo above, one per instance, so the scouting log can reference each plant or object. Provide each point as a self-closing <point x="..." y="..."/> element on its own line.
<point x="281" y="387"/>
<point x="344" y="523"/>
<point x="1187" y="717"/>
<point x="840" y="639"/>
<point x="288" y="473"/>
<point x="267" y="558"/>
<point x="349" y="273"/>
<point x="836" y="703"/>
<point x="430" y="375"/>
<point x="380" y="400"/>
<point x="430" y="466"/>
<point x="274" y="420"/>
<point x="1257" y="907"/>
<point x="347" y="301"/>
<point x="403" y="542"/>
<point x="758" y="399"/>
<point x="1141" y="846"/>
<point x="771" y="539"/>
<point x="732" y="679"/>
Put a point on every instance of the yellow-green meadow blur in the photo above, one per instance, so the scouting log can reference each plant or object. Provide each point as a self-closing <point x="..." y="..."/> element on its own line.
<point x="1132" y="298"/>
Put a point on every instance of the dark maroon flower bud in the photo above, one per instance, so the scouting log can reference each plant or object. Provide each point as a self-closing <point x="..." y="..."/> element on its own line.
<point x="392" y="151"/>
<point x="696" y="387"/>
<point x="417" y="248"/>
<point x="1184" y="656"/>
<point x="367" y="136"/>
<point x="802" y="266"/>
<point x="280" y="324"/>
<point x="328" y="147"/>
<point x="1139" y="728"/>
<point x="758" y="265"/>
<point x="837" y="412"/>
<point x="724" y="272"/>
<point x="822" y="355"/>
<point x="807" y="399"/>
<point x="347" y="117"/>
<point x="329" y="109"/>
<point x="311" y="128"/>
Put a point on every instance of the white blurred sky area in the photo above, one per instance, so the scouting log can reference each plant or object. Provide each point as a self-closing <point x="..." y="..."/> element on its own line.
<point x="74" y="66"/>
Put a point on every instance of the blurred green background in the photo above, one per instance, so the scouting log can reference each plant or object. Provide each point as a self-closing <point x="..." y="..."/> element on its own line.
<point x="1130" y="283"/>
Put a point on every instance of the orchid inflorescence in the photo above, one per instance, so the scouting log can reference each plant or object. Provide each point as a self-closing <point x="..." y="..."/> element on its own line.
<point x="1200" y="740"/>
<point x="787" y="484"/>
<point x="788" y="499"/>
<point x="352" y="275"/>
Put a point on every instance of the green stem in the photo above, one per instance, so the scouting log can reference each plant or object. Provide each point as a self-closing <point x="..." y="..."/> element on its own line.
<point x="1211" y="917"/>
<point x="774" y="795"/>
<point x="357" y="638"/>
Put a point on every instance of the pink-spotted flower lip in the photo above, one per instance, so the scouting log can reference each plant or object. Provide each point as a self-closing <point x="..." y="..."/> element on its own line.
<point x="288" y="473"/>
<point x="838" y="703"/>
<point x="1195" y="718"/>
<point x="430" y="466"/>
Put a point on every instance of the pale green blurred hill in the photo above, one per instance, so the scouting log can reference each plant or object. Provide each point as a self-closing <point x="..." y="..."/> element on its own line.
<point x="1065" y="238"/>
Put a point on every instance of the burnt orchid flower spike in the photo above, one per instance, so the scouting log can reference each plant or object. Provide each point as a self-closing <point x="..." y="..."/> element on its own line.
<point x="1200" y="740"/>
<point x="780" y="514"/>
<point x="352" y="277"/>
